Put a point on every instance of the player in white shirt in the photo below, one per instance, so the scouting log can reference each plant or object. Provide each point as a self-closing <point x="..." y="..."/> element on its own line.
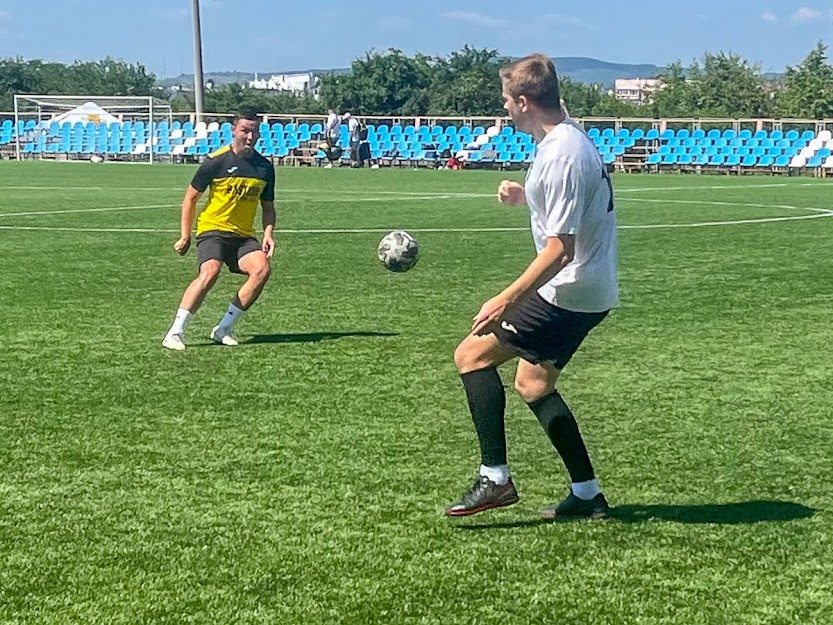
<point x="545" y="314"/>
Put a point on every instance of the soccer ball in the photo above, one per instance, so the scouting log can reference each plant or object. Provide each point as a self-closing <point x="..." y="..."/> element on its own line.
<point x="398" y="251"/>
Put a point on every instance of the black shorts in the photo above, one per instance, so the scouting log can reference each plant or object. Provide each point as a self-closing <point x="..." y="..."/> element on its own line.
<point x="225" y="246"/>
<point x="538" y="331"/>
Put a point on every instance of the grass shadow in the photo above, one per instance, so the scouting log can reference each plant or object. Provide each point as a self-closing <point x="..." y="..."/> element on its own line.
<point x="309" y="337"/>
<point x="739" y="513"/>
<point x="301" y="337"/>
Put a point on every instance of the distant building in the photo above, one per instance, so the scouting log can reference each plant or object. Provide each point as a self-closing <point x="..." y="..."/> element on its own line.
<point x="301" y="84"/>
<point x="635" y="90"/>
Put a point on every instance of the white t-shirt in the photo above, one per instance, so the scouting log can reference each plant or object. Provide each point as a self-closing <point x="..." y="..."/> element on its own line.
<point x="353" y="128"/>
<point x="568" y="191"/>
<point x="333" y="125"/>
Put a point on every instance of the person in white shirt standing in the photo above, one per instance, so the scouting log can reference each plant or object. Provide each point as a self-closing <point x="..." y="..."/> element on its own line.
<point x="545" y="314"/>
<point x="333" y="129"/>
<point x="354" y="133"/>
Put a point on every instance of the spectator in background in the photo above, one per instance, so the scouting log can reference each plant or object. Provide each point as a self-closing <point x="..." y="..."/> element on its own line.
<point x="354" y="131"/>
<point x="333" y="128"/>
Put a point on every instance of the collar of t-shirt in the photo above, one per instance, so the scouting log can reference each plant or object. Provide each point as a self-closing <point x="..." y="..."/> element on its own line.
<point x="552" y="135"/>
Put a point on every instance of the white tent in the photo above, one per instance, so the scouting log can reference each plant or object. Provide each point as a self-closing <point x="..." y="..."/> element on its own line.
<point x="87" y="112"/>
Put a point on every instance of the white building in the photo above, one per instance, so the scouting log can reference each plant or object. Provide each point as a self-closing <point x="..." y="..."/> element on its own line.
<point x="636" y="90"/>
<point x="305" y="83"/>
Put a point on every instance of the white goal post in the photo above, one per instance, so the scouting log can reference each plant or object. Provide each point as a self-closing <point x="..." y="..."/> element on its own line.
<point x="73" y="127"/>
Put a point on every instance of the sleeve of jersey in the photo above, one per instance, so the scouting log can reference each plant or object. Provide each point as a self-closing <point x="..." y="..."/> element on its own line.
<point x="562" y="194"/>
<point x="268" y="194"/>
<point x="204" y="175"/>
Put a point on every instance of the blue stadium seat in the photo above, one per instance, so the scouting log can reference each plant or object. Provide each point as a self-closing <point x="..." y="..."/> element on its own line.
<point x="766" y="161"/>
<point x="782" y="161"/>
<point x="593" y="133"/>
<point x="749" y="161"/>
<point x="637" y="134"/>
<point x="652" y="135"/>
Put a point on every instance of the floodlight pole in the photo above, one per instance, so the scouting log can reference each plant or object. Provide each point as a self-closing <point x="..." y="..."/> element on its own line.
<point x="198" y="80"/>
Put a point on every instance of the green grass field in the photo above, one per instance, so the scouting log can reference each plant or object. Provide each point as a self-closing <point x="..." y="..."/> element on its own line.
<point x="301" y="477"/>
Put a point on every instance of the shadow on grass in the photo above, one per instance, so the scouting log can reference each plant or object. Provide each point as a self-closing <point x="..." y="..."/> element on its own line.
<point x="310" y="337"/>
<point x="741" y="513"/>
<point x="302" y="337"/>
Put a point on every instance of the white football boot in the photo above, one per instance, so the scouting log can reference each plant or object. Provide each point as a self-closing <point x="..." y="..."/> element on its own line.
<point x="223" y="336"/>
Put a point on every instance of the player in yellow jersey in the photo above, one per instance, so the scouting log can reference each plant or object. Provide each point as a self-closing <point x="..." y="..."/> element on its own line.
<point x="237" y="179"/>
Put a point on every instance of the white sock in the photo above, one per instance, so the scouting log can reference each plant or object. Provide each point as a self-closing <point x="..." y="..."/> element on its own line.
<point x="586" y="490"/>
<point x="499" y="474"/>
<point x="180" y="321"/>
<point x="234" y="313"/>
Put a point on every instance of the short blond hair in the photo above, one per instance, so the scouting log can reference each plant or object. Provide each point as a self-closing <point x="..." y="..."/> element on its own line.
<point x="533" y="76"/>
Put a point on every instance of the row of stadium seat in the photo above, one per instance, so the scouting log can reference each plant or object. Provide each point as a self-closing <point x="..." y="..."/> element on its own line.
<point x="669" y="148"/>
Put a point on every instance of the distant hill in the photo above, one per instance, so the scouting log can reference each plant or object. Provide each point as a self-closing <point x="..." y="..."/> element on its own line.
<point x="583" y="69"/>
<point x="580" y="69"/>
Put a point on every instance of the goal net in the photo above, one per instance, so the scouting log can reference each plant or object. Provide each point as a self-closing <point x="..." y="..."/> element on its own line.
<point x="85" y="127"/>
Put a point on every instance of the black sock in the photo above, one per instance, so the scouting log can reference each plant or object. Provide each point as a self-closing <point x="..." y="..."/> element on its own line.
<point x="558" y="422"/>
<point x="487" y="403"/>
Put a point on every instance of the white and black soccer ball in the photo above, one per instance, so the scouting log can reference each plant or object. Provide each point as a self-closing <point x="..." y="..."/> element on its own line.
<point x="398" y="251"/>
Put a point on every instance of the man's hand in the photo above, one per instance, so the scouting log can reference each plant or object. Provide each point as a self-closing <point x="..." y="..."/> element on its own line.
<point x="489" y="312"/>
<point x="268" y="245"/>
<point x="182" y="246"/>
<point x="511" y="193"/>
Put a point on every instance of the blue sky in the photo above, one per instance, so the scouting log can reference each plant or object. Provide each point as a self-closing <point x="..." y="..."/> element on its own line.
<point x="279" y="35"/>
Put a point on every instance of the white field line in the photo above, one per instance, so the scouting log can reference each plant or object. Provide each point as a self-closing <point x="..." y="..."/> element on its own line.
<point x="702" y="224"/>
<point x="817" y="213"/>
<point x="181" y="189"/>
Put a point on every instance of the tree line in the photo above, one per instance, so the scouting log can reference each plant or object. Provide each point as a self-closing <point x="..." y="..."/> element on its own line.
<point x="465" y="83"/>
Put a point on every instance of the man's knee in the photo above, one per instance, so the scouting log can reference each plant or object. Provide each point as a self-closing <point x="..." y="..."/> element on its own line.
<point x="532" y="388"/>
<point x="262" y="271"/>
<point x="208" y="275"/>
<point x="469" y="356"/>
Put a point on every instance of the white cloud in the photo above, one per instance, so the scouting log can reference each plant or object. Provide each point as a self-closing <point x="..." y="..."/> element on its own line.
<point x="568" y="20"/>
<point x="806" y="14"/>
<point x="478" y="19"/>
<point x="768" y="16"/>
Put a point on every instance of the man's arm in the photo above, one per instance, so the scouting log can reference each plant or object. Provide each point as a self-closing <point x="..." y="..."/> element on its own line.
<point x="186" y="220"/>
<point x="553" y="258"/>
<point x="269" y="217"/>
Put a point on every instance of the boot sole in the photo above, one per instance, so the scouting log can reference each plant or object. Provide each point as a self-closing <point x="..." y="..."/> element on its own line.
<point x="498" y="504"/>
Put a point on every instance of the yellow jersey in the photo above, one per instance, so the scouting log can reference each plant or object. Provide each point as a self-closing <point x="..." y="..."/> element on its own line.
<point x="236" y="186"/>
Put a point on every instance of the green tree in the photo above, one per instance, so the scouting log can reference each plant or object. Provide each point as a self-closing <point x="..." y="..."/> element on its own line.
<point x="467" y="83"/>
<point x="16" y="76"/>
<point x="808" y="88"/>
<point x="382" y="83"/>
<point x="675" y="96"/>
<point x="727" y="85"/>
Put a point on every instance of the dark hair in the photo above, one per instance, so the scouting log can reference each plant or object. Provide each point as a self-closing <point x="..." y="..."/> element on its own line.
<point x="533" y="76"/>
<point x="247" y="113"/>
